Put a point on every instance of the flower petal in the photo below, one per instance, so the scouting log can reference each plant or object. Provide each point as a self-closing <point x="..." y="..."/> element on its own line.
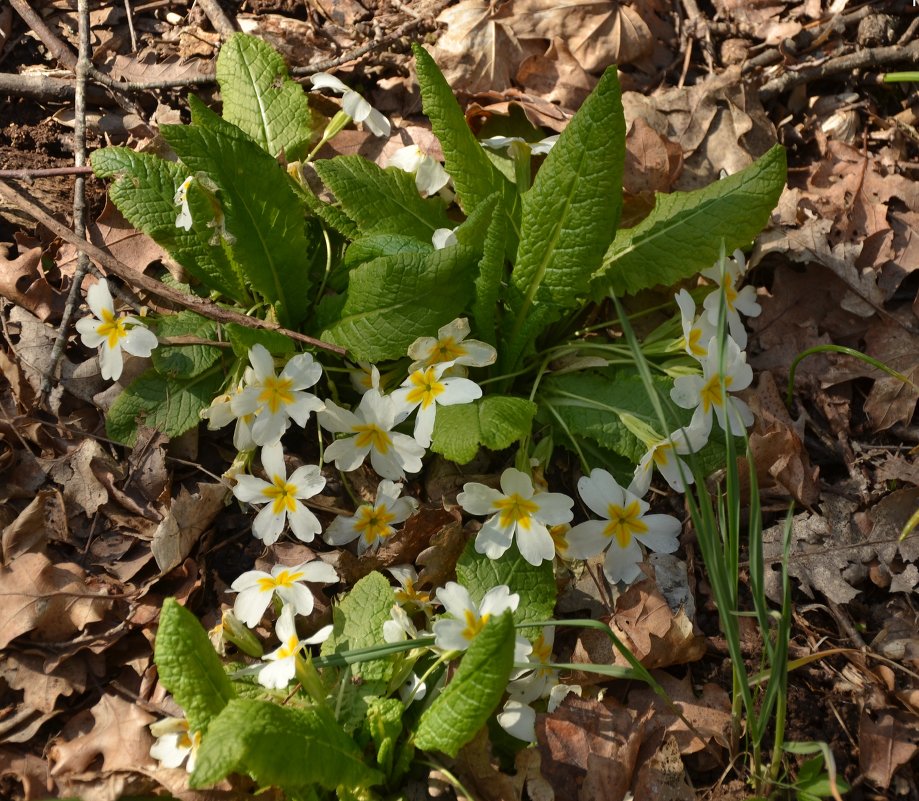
<point x="111" y="362"/>
<point x="536" y="545"/>
<point x="99" y="298"/>
<point x="587" y="539"/>
<point x="493" y="539"/>
<point x="250" y="489"/>
<point x="514" y="481"/>
<point x="303" y="523"/>
<point x="250" y="605"/>
<point x="298" y="598"/>
<point x="456" y="599"/>
<point x="139" y="341"/>
<point x="477" y="499"/>
<point x="268" y="526"/>
<point x="322" y="80"/>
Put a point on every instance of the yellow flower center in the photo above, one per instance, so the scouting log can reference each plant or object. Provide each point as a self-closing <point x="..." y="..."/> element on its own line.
<point x="408" y="594"/>
<point x="474" y="624"/>
<point x="730" y="295"/>
<point x="276" y="393"/>
<point x="284" y="579"/>
<point x="112" y="328"/>
<point x="374" y="436"/>
<point x="515" y="509"/>
<point x="559" y="536"/>
<point x="373" y="522"/>
<point x="624" y="522"/>
<point x="661" y="453"/>
<point x="542" y="651"/>
<point x="282" y="495"/>
<point x="425" y="387"/>
<point x="448" y="349"/>
<point x="710" y="394"/>
<point x="289" y="648"/>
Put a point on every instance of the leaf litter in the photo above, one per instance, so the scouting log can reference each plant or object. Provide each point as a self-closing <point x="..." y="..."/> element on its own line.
<point x="90" y="548"/>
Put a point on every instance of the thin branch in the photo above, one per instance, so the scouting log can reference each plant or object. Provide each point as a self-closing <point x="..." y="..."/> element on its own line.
<point x="48" y="38"/>
<point x="357" y="52"/>
<point x="136" y="279"/>
<point x="872" y="57"/>
<point x="79" y="202"/>
<point x="47" y="172"/>
<point x="217" y="17"/>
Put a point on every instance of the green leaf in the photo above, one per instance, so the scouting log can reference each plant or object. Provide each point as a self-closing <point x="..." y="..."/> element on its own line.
<point x="281" y="746"/>
<point x="382" y="201"/>
<point x="474" y="176"/>
<point x="358" y="623"/>
<point x="144" y="191"/>
<point x="263" y="214"/>
<point x="170" y="405"/>
<point x="393" y="300"/>
<point x="489" y="279"/>
<point x="684" y="232"/>
<point x="188" y="666"/>
<point x="384" y="724"/>
<point x="368" y="248"/>
<point x="534" y="584"/>
<point x="243" y="338"/>
<point x="465" y="704"/>
<point x="259" y="97"/>
<point x="569" y="217"/>
<point x="495" y="421"/>
<point x="185" y="361"/>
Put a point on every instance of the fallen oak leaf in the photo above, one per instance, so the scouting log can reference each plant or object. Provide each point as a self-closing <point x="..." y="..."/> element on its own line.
<point x="50" y="600"/>
<point x="23" y="283"/>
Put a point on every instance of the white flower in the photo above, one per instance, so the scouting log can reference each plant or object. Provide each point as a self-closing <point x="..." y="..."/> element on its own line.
<point x="664" y="454"/>
<point x="451" y="345"/>
<point x="282" y="497"/>
<point x="275" y="399"/>
<point x="372" y="522"/>
<point x="696" y="333"/>
<point x="412" y="689"/>
<point x="517" y="144"/>
<point x="519" y="719"/>
<point x="181" y="199"/>
<point x="625" y="523"/>
<point x="535" y="682"/>
<point x="282" y="667"/>
<point x="426" y="389"/>
<point x="407" y="594"/>
<point x="354" y="105"/>
<point x="517" y="510"/>
<point x="256" y="588"/>
<point x="399" y="627"/>
<point x="174" y="743"/>
<point x="726" y="274"/>
<point x="469" y="618"/>
<point x="392" y="454"/>
<point x="443" y="237"/>
<point x="365" y="376"/>
<point x="111" y="334"/>
<point x="704" y="393"/>
<point x="220" y="413"/>
<point x="430" y="176"/>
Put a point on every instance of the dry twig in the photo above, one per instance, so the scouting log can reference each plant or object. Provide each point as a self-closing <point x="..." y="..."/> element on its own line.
<point x="140" y="281"/>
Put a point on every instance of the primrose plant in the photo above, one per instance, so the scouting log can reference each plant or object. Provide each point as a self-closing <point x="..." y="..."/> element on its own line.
<point x="461" y="293"/>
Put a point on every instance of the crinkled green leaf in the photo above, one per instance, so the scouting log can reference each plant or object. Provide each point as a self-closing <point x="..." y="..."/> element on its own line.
<point x="263" y="214"/>
<point x="384" y="725"/>
<point x="358" y="623"/>
<point x="281" y="746"/>
<point x="569" y="217"/>
<point x="144" y="191"/>
<point x="260" y="97"/>
<point x="468" y="700"/>
<point x="489" y="279"/>
<point x="188" y="666"/>
<point x="535" y="584"/>
<point x="185" y="361"/>
<point x="685" y="231"/>
<point x="368" y="248"/>
<point x="167" y="404"/>
<point x="381" y="201"/>
<point x="242" y="339"/>
<point x="495" y="422"/>
<point x="474" y="176"/>
<point x="393" y="300"/>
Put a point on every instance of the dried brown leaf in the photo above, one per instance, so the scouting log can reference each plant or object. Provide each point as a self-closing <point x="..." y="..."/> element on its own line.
<point x="26" y="771"/>
<point x="42" y="687"/>
<point x="188" y="518"/>
<point x="50" y="600"/>
<point x="42" y="520"/>
<point x="886" y="744"/>
<point x="556" y="76"/>
<point x="23" y="282"/>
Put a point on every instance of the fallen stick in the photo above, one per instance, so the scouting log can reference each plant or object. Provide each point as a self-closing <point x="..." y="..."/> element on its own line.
<point x="138" y="280"/>
<point x="46" y="172"/>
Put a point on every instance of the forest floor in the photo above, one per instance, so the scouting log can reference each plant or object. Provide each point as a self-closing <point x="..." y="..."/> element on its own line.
<point x="708" y="87"/>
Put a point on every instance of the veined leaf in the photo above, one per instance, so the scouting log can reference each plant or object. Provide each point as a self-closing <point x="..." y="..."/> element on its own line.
<point x="259" y="97"/>
<point x="495" y="421"/>
<point x="185" y="361"/>
<point x="263" y="215"/>
<point x="489" y="278"/>
<point x="466" y="702"/>
<point x="393" y="300"/>
<point x="167" y="404"/>
<point x="189" y="667"/>
<point x="381" y="201"/>
<point x="569" y="217"/>
<point x="144" y="192"/>
<point x="684" y="232"/>
<point x="474" y="176"/>
<point x="534" y="584"/>
<point x="242" y="339"/>
<point x="281" y="746"/>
